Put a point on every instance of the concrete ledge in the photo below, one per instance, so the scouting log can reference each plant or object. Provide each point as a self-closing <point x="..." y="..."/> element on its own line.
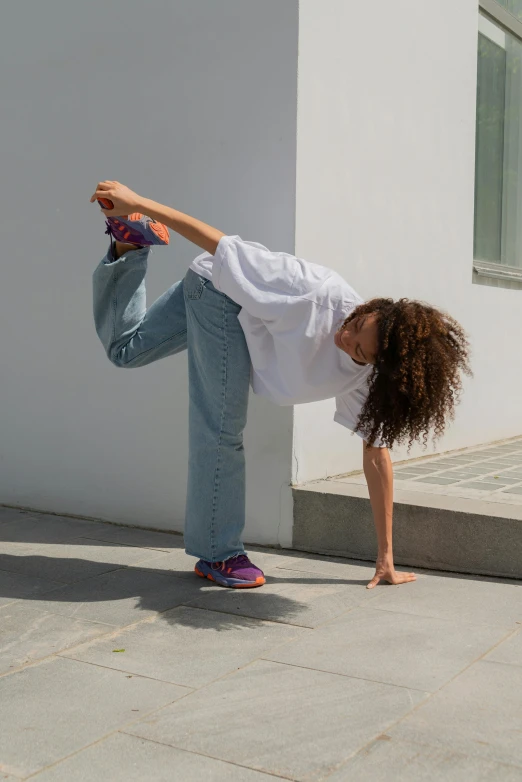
<point x="429" y="531"/>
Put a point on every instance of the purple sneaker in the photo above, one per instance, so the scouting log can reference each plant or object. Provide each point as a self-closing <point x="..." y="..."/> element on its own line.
<point x="237" y="572"/>
<point x="137" y="229"/>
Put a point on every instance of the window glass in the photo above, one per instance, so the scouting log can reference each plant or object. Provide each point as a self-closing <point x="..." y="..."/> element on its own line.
<point x="498" y="165"/>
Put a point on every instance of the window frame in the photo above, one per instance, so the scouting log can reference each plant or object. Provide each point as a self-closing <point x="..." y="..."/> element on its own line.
<point x="486" y="269"/>
<point x="497" y="13"/>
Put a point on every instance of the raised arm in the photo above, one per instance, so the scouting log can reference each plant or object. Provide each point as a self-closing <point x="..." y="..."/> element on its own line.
<point x="378" y="471"/>
<point x="126" y="202"/>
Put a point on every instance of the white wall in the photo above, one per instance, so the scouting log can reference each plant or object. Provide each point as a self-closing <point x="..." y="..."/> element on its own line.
<point x="191" y="102"/>
<point x="385" y="190"/>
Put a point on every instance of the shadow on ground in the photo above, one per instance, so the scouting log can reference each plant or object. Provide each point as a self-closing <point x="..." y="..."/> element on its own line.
<point x="154" y="590"/>
<point x="44" y="581"/>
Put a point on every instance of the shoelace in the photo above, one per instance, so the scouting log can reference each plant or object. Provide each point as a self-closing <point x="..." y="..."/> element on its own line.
<point x="108" y="230"/>
<point x="241" y="559"/>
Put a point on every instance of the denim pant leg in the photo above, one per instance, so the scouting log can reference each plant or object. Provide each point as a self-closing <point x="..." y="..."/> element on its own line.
<point x="219" y="380"/>
<point x="131" y="334"/>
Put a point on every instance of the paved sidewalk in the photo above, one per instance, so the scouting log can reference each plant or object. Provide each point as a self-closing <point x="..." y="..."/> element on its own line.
<point x="487" y="473"/>
<point x="118" y="663"/>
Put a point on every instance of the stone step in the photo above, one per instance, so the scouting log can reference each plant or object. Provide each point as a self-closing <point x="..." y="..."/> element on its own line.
<point x="438" y="531"/>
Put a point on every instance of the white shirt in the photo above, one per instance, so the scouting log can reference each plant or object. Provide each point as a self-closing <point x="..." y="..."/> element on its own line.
<point x="290" y="312"/>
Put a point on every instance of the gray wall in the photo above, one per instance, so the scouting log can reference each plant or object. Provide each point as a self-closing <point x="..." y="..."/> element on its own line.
<point x="190" y="102"/>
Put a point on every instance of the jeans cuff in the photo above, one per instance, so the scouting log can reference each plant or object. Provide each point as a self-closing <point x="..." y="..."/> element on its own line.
<point x="141" y="254"/>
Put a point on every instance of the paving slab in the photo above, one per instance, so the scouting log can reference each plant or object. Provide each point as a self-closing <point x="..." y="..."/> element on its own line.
<point x="399" y="761"/>
<point x="187" y="646"/>
<point x="36" y="528"/>
<point x="48" y="704"/>
<point x="120" y="597"/>
<point x="418" y="652"/>
<point x="123" y="758"/>
<point x="28" y="635"/>
<point x="68" y="562"/>
<point x="293" y="597"/>
<point x="509" y="652"/>
<point x="479" y="713"/>
<point x="462" y="598"/>
<point x="14" y="586"/>
<point x="280" y="719"/>
<point x="337" y="685"/>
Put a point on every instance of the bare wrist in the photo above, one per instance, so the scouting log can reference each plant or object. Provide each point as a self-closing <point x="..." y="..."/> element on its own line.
<point x="142" y="204"/>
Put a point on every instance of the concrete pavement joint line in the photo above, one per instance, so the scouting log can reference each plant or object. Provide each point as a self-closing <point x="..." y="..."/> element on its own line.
<point x="132" y="545"/>
<point x="106" y="636"/>
<point x="106" y="736"/>
<point x="502" y="662"/>
<point x="342" y="580"/>
<point x="150" y="741"/>
<point x="129" y="673"/>
<point x="440" y="569"/>
<point x="335" y="618"/>
<point x="61" y="584"/>
<point x="66" y="515"/>
<point x="244" y="616"/>
<point x="460" y="622"/>
<point x="48" y="657"/>
<point x="473" y="451"/>
<point x="5" y="605"/>
<point x="168" y="574"/>
<point x="422" y="703"/>
<point x="417" y="743"/>
<point x="72" y="754"/>
<point x="510" y="444"/>
<point x="452" y="679"/>
<point x="273" y="662"/>
<point x="76" y="609"/>
<point x="153" y="678"/>
<point x="349" y="676"/>
<point x="268" y="774"/>
<point x="115" y="629"/>
<point x="78" y="581"/>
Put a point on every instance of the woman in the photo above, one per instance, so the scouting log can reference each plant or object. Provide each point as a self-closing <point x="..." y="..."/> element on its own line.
<point x="298" y="333"/>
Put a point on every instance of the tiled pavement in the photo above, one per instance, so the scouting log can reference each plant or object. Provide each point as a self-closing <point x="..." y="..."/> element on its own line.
<point x="488" y="473"/>
<point x="117" y="663"/>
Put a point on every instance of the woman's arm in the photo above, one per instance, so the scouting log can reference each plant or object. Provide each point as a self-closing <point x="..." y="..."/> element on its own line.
<point x="126" y="202"/>
<point x="379" y="476"/>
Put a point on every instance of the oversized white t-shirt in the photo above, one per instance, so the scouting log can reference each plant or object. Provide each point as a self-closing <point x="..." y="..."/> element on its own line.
<point x="290" y="312"/>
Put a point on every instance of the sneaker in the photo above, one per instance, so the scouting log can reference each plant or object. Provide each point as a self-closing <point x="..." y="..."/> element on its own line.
<point x="235" y="572"/>
<point x="137" y="229"/>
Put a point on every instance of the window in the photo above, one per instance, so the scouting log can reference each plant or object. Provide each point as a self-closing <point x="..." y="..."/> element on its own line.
<point x="498" y="164"/>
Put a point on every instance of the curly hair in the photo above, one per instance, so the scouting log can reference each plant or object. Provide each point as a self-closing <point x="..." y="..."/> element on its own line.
<point x="416" y="381"/>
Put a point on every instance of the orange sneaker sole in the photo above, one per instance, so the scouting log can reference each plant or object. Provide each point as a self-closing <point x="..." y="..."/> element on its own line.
<point x="259" y="581"/>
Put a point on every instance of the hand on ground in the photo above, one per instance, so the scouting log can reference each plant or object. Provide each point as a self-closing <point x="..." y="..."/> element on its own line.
<point x="385" y="571"/>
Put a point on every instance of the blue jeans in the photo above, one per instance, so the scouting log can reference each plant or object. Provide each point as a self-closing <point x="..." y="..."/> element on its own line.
<point x="191" y="315"/>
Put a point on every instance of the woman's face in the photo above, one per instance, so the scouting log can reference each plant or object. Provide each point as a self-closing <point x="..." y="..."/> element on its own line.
<point x="359" y="338"/>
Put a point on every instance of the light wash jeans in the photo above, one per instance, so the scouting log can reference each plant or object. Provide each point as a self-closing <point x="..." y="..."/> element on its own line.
<point x="191" y="315"/>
